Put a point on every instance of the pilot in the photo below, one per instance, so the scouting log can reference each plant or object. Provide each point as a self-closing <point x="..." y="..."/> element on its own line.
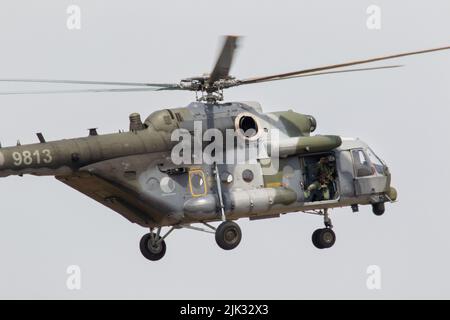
<point x="325" y="176"/>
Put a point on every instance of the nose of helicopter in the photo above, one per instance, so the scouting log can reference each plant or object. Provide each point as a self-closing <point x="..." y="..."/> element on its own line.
<point x="392" y="193"/>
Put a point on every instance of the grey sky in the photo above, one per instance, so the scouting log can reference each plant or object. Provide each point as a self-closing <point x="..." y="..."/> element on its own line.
<point x="402" y="113"/>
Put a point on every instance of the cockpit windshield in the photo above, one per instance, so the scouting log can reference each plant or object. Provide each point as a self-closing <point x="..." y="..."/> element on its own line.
<point x="376" y="162"/>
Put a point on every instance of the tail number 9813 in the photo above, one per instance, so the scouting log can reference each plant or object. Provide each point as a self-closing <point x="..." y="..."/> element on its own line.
<point x="27" y="157"/>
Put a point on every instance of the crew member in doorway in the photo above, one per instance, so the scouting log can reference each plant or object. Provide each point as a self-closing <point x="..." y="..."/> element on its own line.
<point x="324" y="177"/>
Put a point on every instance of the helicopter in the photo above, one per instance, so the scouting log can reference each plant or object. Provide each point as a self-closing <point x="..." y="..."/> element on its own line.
<point x="179" y="169"/>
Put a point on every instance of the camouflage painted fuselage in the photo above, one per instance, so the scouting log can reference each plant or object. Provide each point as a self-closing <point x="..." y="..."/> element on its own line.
<point x="133" y="172"/>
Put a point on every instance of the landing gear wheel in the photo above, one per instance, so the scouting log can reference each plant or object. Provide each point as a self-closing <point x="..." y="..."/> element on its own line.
<point x="151" y="247"/>
<point x="378" y="208"/>
<point x="228" y="235"/>
<point x="323" y="238"/>
<point x="314" y="238"/>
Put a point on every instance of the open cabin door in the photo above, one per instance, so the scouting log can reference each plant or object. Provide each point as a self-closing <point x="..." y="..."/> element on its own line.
<point x="314" y="189"/>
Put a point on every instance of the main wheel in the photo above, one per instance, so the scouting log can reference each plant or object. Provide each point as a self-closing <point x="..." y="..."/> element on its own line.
<point x="378" y="208"/>
<point x="324" y="238"/>
<point x="314" y="238"/>
<point x="228" y="235"/>
<point x="150" y="250"/>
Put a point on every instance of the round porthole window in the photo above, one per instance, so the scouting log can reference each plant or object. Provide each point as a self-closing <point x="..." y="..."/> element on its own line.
<point x="247" y="175"/>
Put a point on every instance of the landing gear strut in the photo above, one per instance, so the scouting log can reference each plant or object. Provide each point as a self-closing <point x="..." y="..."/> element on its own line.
<point x="324" y="238"/>
<point x="153" y="247"/>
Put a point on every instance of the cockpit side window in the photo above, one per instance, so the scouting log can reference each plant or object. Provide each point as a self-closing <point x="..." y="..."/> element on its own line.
<point x="376" y="162"/>
<point x="361" y="163"/>
<point x="197" y="182"/>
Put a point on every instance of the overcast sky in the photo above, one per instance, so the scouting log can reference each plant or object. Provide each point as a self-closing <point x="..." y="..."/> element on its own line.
<point x="45" y="226"/>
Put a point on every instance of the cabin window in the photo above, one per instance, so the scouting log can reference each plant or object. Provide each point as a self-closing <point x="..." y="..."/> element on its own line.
<point x="361" y="163"/>
<point x="197" y="182"/>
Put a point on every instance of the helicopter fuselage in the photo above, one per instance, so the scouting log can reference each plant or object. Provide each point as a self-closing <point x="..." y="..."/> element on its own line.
<point x="142" y="174"/>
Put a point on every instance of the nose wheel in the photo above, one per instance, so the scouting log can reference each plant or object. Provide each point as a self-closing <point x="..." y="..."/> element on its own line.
<point x="324" y="238"/>
<point x="378" y="208"/>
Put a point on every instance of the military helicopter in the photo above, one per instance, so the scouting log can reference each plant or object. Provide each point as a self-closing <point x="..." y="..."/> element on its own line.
<point x="147" y="177"/>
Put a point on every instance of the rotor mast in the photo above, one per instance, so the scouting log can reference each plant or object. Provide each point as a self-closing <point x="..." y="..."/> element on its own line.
<point x="211" y="86"/>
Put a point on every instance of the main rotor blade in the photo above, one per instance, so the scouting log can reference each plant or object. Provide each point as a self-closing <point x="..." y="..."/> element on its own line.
<point x="334" y="66"/>
<point x="223" y="64"/>
<point x="111" y="83"/>
<point x="86" y="90"/>
<point x="337" y="71"/>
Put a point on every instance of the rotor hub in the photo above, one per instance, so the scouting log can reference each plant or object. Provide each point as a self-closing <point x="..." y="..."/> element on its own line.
<point x="207" y="91"/>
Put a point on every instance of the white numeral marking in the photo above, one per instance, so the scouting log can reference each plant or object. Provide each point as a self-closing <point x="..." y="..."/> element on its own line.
<point x="37" y="155"/>
<point x="28" y="157"/>
<point x="48" y="156"/>
<point x="17" y="157"/>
